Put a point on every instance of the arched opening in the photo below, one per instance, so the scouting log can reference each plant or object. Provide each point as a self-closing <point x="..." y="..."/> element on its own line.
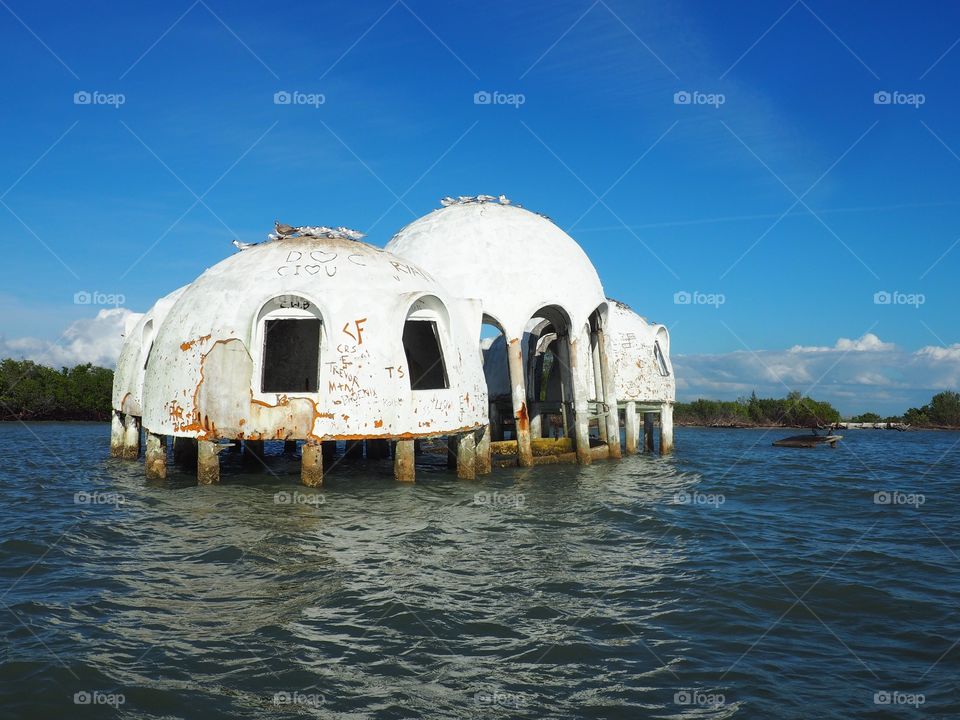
<point x="493" y="349"/>
<point x="548" y="377"/>
<point x="424" y="330"/>
<point x="290" y="329"/>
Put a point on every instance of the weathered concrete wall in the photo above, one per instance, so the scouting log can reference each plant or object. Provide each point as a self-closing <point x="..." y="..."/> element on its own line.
<point x="632" y="340"/>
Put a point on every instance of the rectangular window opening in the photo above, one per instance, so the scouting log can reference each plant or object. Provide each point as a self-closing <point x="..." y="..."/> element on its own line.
<point x="291" y="355"/>
<point x="421" y="344"/>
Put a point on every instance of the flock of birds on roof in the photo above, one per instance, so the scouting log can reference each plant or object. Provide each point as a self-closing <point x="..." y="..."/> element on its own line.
<point x="474" y="199"/>
<point x="282" y="231"/>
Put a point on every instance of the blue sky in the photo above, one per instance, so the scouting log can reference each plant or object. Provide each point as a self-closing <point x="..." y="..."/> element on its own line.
<point x="664" y="197"/>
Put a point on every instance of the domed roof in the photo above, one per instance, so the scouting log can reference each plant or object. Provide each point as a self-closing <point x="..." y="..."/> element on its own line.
<point x="204" y="375"/>
<point x="513" y="260"/>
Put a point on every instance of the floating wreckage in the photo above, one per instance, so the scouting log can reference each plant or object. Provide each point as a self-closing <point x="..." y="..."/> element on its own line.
<point x="315" y="337"/>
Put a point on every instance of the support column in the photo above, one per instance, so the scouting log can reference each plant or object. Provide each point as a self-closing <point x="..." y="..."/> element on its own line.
<point x="648" y="432"/>
<point x="597" y="382"/>
<point x="467" y="456"/>
<point x="208" y="462"/>
<point x="536" y="421"/>
<point x="131" y="437"/>
<point x="484" y="464"/>
<point x="403" y="461"/>
<point x="609" y="396"/>
<point x="155" y="458"/>
<point x="520" y="415"/>
<point x="581" y="411"/>
<point x="631" y="428"/>
<point x="311" y="464"/>
<point x="116" y="434"/>
<point x="666" y="428"/>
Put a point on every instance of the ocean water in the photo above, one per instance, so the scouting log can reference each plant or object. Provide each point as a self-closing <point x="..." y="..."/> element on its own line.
<point x="732" y="579"/>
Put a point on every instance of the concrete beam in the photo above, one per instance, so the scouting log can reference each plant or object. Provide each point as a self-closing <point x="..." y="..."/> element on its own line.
<point x="609" y="396"/>
<point x="519" y="394"/>
<point x="666" y="428"/>
<point x="581" y="422"/>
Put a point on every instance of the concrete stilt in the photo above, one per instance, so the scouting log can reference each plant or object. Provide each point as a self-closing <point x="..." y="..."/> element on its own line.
<point x="536" y="421"/>
<point x="403" y="461"/>
<point x="155" y="457"/>
<point x="609" y="396"/>
<point x="311" y="464"/>
<point x="648" y="432"/>
<point x="131" y="437"/>
<point x="467" y="456"/>
<point x="185" y="452"/>
<point x="520" y="415"/>
<point x="666" y="428"/>
<point x="484" y="464"/>
<point x="208" y="462"/>
<point x="631" y="428"/>
<point x="116" y="434"/>
<point x="254" y="454"/>
<point x="581" y="421"/>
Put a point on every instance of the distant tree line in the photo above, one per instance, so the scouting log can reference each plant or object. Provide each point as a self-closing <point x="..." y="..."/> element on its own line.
<point x="29" y="391"/>
<point x="795" y="410"/>
<point x="943" y="410"/>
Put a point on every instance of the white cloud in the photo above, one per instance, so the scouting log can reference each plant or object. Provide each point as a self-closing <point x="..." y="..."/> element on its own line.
<point x="94" y="340"/>
<point x="856" y="375"/>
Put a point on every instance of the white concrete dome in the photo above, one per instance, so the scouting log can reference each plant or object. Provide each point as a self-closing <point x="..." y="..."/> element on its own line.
<point x="512" y="260"/>
<point x="129" y="375"/>
<point x="315" y="338"/>
<point x="641" y="357"/>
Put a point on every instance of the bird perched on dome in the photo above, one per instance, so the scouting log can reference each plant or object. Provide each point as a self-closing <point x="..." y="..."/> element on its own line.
<point x="504" y="200"/>
<point x="243" y="246"/>
<point x="448" y="201"/>
<point x="485" y="198"/>
<point x="284" y="230"/>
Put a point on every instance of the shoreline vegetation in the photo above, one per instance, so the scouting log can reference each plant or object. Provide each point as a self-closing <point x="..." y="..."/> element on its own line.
<point x="30" y="391"/>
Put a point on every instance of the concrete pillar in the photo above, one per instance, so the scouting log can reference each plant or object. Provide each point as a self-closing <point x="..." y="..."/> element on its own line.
<point x="648" y="432"/>
<point x="609" y="396"/>
<point x="581" y="408"/>
<point x="208" y="462"/>
<point x="597" y="380"/>
<point x="131" y="437"/>
<point x="311" y="464"/>
<point x="378" y="449"/>
<point x="631" y="428"/>
<point x="155" y="457"/>
<point x="666" y="428"/>
<point x="520" y="415"/>
<point x="116" y="434"/>
<point x="254" y="455"/>
<point x="354" y="450"/>
<point x="467" y="456"/>
<point x="484" y="464"/>
<point x="566" y="379"/>
<point x="185" y="452"/>
<point x="536" y="420"/>
<point x="404" y="468"/>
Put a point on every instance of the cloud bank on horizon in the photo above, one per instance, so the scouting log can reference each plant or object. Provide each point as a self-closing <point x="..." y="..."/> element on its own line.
<point x="856" y="375"/>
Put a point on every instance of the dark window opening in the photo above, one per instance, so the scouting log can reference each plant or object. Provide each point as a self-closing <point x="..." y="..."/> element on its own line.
<point x="661" y="361"/>
<point x="291" y="355"/>
<point x="149" y="353"/>
<point x="421" y="343"/>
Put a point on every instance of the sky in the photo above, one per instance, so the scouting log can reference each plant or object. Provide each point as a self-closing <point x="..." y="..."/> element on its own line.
<point x="775" y="181"/>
